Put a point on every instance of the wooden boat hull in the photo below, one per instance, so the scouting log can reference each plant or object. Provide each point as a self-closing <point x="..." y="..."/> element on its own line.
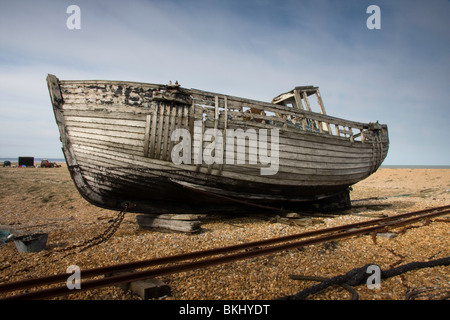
<point x="118" y="143"/>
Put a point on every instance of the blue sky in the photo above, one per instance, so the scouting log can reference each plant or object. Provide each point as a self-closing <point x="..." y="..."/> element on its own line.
<point x="398" y="75"/>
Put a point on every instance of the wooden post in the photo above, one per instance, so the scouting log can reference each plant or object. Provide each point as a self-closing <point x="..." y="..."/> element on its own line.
<point x="336" y="126"/>
<point x="298" y="101"/>
<point x="305" y="98"/>
<point x="320" y="102"/>
<point x="322" y="108"/>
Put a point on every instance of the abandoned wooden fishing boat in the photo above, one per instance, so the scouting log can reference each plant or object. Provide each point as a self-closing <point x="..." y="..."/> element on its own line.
<point x="167" y="149"/>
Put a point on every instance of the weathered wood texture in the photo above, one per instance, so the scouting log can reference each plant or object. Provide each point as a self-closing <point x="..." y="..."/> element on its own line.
<point x="165" y="222"/>
<point x="118" y="134"/>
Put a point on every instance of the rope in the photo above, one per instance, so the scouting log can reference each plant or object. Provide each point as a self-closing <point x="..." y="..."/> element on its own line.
<point x="359" y="276"/>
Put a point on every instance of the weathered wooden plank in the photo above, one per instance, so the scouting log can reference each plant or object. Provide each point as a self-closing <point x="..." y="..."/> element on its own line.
<point x="107" y="133"/>
<point x="122" y="178"/>
<point x="107" y="121"/>
<point x="120" y="140"/>
<point x="182" y="217"/>
<point x="314" y="141"/>
<point x="103" y="108"/>
<point x="295" y="147"/>
<point x="106" y="127"/>
<point x="285" y="158"/>
<point x="108" y="145"/>
<point x="94" y="115"/>
<point x="146" y="221"/>
<point x="128" y="159"/>
<point x="299" y="141"/>
<point x="286" y="162"/>
<point x="150" y="288"/>
<point x="144" y="85"/>
<point x="302" y="177"/>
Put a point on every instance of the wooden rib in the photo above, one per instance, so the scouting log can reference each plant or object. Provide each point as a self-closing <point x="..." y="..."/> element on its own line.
<point x="147" y="134"/>
<point x="192" y="118"/>
<point x="199" y="150"/>
<point x="216" y="123"/>
<point x="173" y="119"/>
<point x="224" y="134"/>
<point x="159" y="132"/>
<point x="166" y="138"/>
<point x="153" y="130"/>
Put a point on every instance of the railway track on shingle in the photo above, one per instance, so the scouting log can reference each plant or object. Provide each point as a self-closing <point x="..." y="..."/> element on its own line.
<point x="202" y="259"/>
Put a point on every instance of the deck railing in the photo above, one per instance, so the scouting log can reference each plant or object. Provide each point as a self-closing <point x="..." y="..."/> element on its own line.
<point x="220" y="111"/>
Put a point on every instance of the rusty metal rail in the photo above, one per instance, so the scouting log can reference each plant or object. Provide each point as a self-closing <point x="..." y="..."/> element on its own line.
<point x="251" y="249"/>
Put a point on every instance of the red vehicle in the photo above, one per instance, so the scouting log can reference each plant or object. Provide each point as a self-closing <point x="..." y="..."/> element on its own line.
<point x="47" y="164"/>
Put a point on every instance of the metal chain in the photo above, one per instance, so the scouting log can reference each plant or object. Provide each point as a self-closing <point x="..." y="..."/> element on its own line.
<point x="108" y="233"/>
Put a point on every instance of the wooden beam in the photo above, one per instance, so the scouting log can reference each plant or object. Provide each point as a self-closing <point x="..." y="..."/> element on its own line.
<point x="147" y="134"/>
<point x="305" y="98"/>
<point x="320" y="102"/>
<point x="155" y="222"/>
<point x="322" y="108"/>
<point x="298" y="100"/>
<point x="55" y="91"/>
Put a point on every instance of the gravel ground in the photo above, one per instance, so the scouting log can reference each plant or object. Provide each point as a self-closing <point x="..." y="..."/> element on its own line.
<point x="38" y="199"/>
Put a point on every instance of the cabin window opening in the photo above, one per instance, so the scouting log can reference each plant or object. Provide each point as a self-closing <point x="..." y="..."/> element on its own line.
<point x="291" y="105"/>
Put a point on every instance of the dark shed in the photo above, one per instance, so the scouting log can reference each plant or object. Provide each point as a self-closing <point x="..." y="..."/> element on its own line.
<point x="26" y="161"/>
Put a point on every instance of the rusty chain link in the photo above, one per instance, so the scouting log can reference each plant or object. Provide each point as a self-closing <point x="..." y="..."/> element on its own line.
<point x="108" y="233"/>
